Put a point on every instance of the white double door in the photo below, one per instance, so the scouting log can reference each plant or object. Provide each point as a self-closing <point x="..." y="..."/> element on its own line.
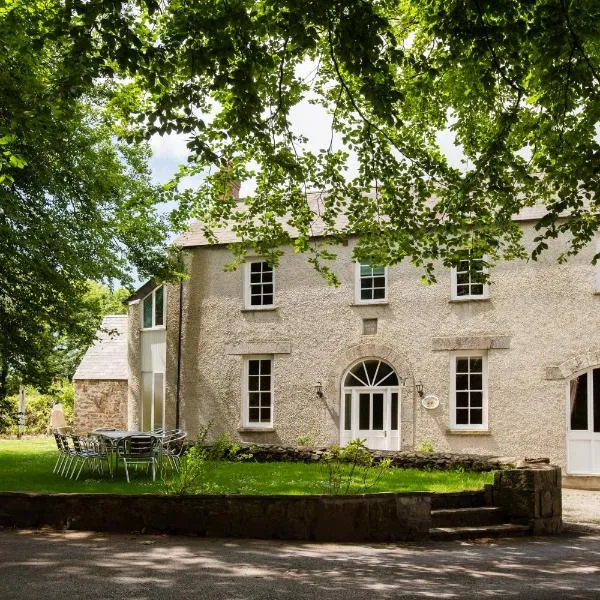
<point x="583" y="424"/>
<point x="372" y="414"/>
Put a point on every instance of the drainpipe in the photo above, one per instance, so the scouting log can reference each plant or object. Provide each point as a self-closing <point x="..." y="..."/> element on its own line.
<point x="178" y="386"/>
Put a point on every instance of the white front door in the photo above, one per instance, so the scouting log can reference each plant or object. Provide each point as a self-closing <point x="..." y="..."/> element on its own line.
<point x="583" y="424"/>
<point x="373" y="415"/>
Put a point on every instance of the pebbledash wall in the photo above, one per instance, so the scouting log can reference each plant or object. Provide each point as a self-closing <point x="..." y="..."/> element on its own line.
<point x="539" y="327"/>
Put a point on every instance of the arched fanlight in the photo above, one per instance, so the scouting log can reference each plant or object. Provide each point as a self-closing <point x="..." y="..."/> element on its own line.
<point x="371" y="373"/>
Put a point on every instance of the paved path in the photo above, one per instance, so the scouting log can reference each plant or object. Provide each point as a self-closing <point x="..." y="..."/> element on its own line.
<point x="93" y="566"/>
<point x="581" y="506"/>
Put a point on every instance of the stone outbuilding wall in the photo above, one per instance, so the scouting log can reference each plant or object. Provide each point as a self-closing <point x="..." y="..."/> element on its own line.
<point x="100" y="403"/>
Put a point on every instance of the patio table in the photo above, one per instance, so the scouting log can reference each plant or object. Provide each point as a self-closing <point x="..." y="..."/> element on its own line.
<point x="115" y="436"/>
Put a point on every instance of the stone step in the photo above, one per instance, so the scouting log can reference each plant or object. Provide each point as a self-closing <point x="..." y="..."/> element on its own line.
<point x="484" y="531"/>
<point x="457" y="500"/>
<point x="466" y="517"/>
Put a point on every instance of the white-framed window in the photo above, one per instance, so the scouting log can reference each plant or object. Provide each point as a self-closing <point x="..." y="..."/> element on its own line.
<point x="468" y="390"/>
<point x="260" y="284"/>
<point x="258" y="391"/>
<point x="371" y="283"/>
<point x="468" y="279"/>
<point x="153" y="309"/>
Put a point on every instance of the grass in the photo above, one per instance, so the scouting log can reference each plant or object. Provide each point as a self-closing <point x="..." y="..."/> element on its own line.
<point x="26" y="466"/>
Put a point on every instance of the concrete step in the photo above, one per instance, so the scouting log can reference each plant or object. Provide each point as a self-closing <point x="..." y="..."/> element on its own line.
<point x="466" y="517"/>
<point x="457" y="500"/>
<point x="483" y="531"/>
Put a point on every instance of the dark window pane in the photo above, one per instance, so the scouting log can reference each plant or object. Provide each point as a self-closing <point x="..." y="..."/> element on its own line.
<point x="378" y="412"/>
<point x="256" y="300"/>
<point x="462" y="290"/>
<point x="477" y="275"/>
<point x="255" y="277"/>
<point x="462" y="382"/>
<point x="391" y="380"/>
<point x="476" y="399"/>
<point x="253" y="415"/>
<point x="462" y="416"/>
<point x="265" y="414"/>
<point x="253" y="383"/>
<point x="379" y="282"/>
<point x="394" y="411"/>
<point x="579" y="403"/>
<point x="371" y="367"/>
<point x="462" y="399"/>
<point x="477" y="290"/>
<point x="366" y="294"/>
<point x="253" y="399"/>
<point x="267" y="299"/>
<point x="256" y="267"/>
<point x="596" y="400"/>
<point x="364" y="411"/>
<point x="475" y="381"/>
<point x="379" y="294"/>
<point x="462" y="278"/>
<point x="256" y="289"/>
<point x="267" y="277"/>
<point x="348" y="412"/>
<point x="265" y="367"/>
<point x="464" y="265"/>
<point x="476" y="416"/>
<point x="268" y="288"/>
<point x="148" y="311"/>
<point x="265" y="398"/>
<point x="476" y="364"/>
<point x="159" y="297"/>
<point x="462" y="365"/>
<point x="366" y="283"/>
<point x="253" y="367"/>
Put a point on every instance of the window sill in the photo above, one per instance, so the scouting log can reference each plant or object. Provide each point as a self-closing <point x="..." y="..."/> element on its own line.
<point x="484" y="432"/>
<point x="159" y="328"/>
<point x="382" y="303"/>
<point x="469" y="299"/>
<point x="259" y="309"/>
<point x="256" y="429"/>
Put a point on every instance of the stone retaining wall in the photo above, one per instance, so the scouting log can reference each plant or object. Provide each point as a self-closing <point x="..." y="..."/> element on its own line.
<point x="377" y="517"/>
<point x="531" y="495"/>
<point x="400" y="459"/>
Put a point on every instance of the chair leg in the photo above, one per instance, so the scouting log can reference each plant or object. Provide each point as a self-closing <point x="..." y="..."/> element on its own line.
<point x="126" y="470"/>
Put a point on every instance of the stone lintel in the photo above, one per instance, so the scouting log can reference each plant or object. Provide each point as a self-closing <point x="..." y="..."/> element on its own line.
<point x="471" y="342"/>
<point x="264" y="347"/>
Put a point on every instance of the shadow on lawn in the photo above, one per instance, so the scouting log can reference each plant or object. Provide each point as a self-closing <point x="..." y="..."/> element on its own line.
<point x="53" y="565"/>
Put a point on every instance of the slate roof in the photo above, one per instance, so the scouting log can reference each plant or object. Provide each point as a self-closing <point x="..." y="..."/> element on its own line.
<point x="106" y="358"/>
<point x="194" y="236"/>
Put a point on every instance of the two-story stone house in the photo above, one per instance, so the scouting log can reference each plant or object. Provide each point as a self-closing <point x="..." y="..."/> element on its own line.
<point x="270" y="354"/>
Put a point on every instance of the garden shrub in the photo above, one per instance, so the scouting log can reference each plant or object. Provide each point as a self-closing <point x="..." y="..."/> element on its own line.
<point x="351" y="469"/>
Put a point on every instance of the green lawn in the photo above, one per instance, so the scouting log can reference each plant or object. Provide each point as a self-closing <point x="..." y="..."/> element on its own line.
<point x="26" y="465"/>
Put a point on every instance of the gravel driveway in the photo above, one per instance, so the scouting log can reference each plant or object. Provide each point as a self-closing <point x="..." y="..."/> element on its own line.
<point x="581" y="507"/>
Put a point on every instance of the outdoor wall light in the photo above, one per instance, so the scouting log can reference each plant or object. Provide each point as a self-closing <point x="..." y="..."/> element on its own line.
<point x="319" y="389"/>
<point x="419" y="388"/>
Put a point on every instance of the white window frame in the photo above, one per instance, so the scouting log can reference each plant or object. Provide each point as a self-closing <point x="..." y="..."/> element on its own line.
<point x="164" y="311"/>
<point x="485" y="294"/>
<point x="152" y="419"/>
<point x="357" y="286"/>
<point x="454" y="356"/>
<point x="248" y="290"/>
<point x="246" y="393"/>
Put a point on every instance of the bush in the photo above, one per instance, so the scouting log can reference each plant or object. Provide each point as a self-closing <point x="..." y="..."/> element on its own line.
<point x="425" y="446"/>
<point x="351" y="469"/>
<point x="37" y="408"/>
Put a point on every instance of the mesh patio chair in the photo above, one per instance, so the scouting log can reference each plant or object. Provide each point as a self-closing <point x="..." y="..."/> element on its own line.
<point x="172" y="448"/>
<point x="68" y="455"/>
<point x="139" y="450"/>
<point x="63" y="453"/>
<point x="84" y="452"/>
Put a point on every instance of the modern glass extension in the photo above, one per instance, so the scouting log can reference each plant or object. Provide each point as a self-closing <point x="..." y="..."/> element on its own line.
<point x="371" y="405"/>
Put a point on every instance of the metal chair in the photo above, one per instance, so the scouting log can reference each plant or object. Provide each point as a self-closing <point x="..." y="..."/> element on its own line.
<point x="139" y="450"/>
<point x="63" y="453"/>
<point x="172" y="448"/>
<point x="84" y="452"/>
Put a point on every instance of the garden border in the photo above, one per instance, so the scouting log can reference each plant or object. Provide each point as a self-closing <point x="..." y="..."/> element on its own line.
<point x="530" y="496"/>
